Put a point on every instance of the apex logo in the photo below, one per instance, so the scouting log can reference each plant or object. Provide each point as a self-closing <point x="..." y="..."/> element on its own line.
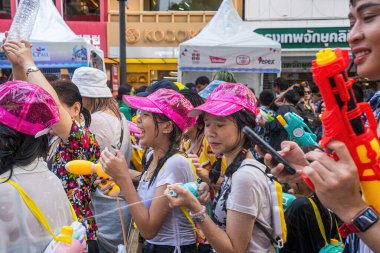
<point x="265" y="61"/>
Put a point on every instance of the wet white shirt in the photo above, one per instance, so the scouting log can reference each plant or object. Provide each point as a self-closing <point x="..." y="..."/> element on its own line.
<point x="20" y="231"/>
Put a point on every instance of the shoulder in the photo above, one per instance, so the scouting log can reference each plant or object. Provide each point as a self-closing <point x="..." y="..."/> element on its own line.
<point x="177" y="161"/>
<point x="250" y="175"/>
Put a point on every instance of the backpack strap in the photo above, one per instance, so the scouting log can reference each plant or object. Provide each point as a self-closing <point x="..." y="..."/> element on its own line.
<point x="277" y="242"/>
<point x="319" y="220"/>
<point x="35" y="210"/>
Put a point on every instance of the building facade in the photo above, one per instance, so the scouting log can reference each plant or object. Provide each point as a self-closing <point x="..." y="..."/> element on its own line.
<point x="154" y="29"/>
<point x="302" y="27"/>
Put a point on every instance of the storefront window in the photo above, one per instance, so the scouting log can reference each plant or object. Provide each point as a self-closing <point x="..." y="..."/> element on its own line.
<point x="81" y="10"/>
<point x="5" y="9"/>
<point x="181" y="5"/>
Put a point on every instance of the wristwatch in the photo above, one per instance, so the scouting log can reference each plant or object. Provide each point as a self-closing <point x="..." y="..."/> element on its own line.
<point x="200" y="216"/>
<point x="360" y="223"/>
<point x="31" y="69"/>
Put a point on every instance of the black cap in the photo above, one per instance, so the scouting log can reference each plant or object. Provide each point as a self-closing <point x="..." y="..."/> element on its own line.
<point x="158" y="85"/>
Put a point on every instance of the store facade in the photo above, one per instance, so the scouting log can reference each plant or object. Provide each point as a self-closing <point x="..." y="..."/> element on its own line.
<point x="153" y="32"/>
<point x="302" y="27"/>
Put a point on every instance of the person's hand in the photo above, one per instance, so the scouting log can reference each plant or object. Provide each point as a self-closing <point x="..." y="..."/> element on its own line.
<point x="106" y="188"/>
<point x="114" y="165"/>
<point x="336" y="182"/>
<point x="203" y="174"/>
<point x="18" y="53"/>
<point x="194" y="159"/>
<point x="204" y="193"/>
<point x="184" y="198"/>
<point x="291" y="152"/>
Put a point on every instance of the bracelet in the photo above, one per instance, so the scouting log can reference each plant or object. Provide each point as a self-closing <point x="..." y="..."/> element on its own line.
<point x="31" y="70"/>
<point x="200" y="216"/>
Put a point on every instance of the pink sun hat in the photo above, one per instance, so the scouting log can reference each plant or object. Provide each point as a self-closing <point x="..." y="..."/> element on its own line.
<point x="227" y="99"/>
<point x="165" y="101"/>
<point x="27" y="108"/>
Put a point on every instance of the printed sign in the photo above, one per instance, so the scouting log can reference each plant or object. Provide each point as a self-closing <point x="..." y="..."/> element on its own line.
<point x="40" y="54"/>
<point x="243" y="60"/>
<point x="217" y="60"/>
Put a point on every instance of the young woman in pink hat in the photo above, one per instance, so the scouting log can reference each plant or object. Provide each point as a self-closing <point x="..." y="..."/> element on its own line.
<point x="244" y="198"/>
<point x="28" y="111"/>
<point x="162" y="119"/>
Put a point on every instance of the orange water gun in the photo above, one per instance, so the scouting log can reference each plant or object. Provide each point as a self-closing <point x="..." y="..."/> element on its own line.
<point x="82" y="167"/>
<point x="343" y="120"/>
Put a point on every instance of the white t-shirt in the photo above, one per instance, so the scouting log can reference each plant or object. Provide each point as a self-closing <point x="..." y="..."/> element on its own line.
<point x="107" y="131"/>
<point x="247" y="192"/>
<point x="176" y="230"/>
<point x="20" y="231"/>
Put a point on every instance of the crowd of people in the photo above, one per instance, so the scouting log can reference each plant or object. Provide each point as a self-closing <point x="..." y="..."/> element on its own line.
<point x="153" y="141"/>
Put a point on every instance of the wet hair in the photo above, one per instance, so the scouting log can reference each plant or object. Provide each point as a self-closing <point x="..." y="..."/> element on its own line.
<point x="281" y="83"/>
<point x="123" y="90"/>
<point x="242" y="118"/>
<point x="196" y="101"/>
<point x="224" y="76"/>
<point x="266" y="97"/>
<point x="68" y="93"/>
<point x="292" y="97"/>
<point x="18" y="149"/>
<point x="174" y="138"/>
<point x="204" y="80"/>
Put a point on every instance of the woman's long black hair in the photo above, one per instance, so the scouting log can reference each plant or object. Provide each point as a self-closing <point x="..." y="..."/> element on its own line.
<point x="242" y="118"/>
<point x="175" y="139"/>
<point x="68" y="93"/>
<point x="18" y="149"/>
<point x="195" y="101"/>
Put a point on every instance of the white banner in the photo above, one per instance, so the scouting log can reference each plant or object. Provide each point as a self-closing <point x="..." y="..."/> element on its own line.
<point x="259" y="60"/>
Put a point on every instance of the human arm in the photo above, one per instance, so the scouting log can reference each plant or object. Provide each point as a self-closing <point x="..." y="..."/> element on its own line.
<point x="20" y="55"/>
<point x="148" y="220"/>
<point x="341" y="179"/>
<point x="241" y="209"/>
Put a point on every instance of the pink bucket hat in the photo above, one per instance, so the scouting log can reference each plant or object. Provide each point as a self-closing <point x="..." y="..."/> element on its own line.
<point x="27" y="108"/>
<point x="227" y="99"/>
<point x="165" y="101"/>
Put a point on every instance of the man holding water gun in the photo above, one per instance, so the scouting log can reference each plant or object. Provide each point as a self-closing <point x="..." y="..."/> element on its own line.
<point x="337" y="182"/>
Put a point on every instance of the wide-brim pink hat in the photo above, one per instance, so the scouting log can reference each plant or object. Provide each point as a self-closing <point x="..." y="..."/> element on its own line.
<point x="27" y="108"/>
<point x="165" y="101"/>
<point x="227" y="99"/>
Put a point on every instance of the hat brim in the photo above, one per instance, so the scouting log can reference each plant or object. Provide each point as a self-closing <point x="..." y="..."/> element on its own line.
<point x="217" y="108"/>
<point x="141" y="103"/>
<point x="95" y="92"/>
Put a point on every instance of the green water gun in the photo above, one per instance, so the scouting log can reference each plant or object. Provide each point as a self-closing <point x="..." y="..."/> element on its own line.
<point x="298" y="131"/>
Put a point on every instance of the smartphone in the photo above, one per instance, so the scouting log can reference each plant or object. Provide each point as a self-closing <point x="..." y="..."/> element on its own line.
<point x="268" y="149"/>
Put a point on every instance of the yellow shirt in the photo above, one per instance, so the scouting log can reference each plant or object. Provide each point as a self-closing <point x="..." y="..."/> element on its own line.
<point x="205" y="154"/>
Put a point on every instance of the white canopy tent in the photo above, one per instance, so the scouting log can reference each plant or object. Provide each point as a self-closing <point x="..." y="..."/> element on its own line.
<point x="227" y="43"/>
<point x="55" y="45"/>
